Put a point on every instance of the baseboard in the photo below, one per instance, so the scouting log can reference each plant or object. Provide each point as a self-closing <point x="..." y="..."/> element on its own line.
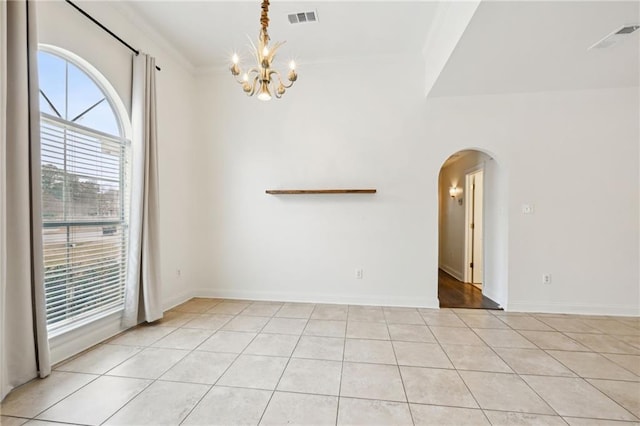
<point x="458" y="275"/>
<point x="376" y="300"/>
<point x="498" y="298"/>
<point x="71" y="343"/>
<point x="574" y="308"/>
<point x="174" y="301"/>
<point x="66" y="345"/>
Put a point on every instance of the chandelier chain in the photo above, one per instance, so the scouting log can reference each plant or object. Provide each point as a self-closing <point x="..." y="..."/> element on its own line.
<point x="264" y="17"/>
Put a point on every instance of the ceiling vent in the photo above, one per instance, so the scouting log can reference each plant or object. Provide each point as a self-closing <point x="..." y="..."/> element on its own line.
<point x="615" y="37"/>
<point x="302" y="17"/>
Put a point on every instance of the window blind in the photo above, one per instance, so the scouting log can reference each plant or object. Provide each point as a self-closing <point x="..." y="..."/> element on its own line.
<point x="85" y="221"/>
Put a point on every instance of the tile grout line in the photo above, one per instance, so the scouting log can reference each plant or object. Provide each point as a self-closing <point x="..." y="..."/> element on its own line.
<point x="153" y="381"/>
<point x="344" y="346"/>
<point x="288" y="361"/>
<point x="460" y="376"/>
<point x="64" y="397"/>
<point x="237" y="355"/>
<point x="577" y="376"/>
<point x="506" y="363"/>
<point x="261" y="331"/>
<point x="242" y="352"/>
<point x="611" y="399"/>
<point x="515" y="372"/>
<point x="370" y="399"/>
<point x="137" y="378"/>
<point x="232" y="362"/>
<point x="100" y="375"/>
<point x="604" y="354"/>
<point x="395" y="355"/>
<point x="548" y="354"/>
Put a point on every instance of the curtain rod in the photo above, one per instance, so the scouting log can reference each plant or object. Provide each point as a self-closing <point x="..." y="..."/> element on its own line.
<point x="111" y="33"/>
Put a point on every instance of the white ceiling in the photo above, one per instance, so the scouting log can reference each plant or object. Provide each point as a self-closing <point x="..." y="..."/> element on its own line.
<point x="207" y="32"/>
<point x="509" y="46"/>
<point x="517" y="46"/>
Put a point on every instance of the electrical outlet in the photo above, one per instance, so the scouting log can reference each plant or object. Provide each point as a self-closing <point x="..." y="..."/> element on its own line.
<point x="359" y="273"/>
<point x="546" y="278"/>
<point x="527" y="209"/>
<point x="178" y="273"/>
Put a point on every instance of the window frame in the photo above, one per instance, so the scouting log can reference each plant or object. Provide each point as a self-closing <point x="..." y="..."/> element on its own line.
<point x="124" y="182"/>
<point x="113" y="98"/>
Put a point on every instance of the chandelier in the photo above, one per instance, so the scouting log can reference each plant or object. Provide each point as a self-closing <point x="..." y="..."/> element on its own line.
<point x="262" y="79"/>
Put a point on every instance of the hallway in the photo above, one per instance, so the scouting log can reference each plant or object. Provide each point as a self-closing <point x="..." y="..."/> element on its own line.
<point x="456" y="294"/>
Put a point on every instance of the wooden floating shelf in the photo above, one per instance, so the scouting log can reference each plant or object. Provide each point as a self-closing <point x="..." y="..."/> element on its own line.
<point x="320" y="191"/>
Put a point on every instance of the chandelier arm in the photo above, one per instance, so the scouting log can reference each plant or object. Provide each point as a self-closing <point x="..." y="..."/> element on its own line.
<point x="239" y="80"/>
<point x="253" y="86"/>
<point x="286" y="86"/>
<point x="251" y="71"/>
<point x="276" y="92"/>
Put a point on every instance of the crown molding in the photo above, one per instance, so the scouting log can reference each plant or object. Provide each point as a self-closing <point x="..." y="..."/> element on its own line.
<point x="128" y="11"/>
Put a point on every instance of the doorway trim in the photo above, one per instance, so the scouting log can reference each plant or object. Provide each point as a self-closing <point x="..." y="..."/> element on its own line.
<point x="496" y="223"/>
<point x="468" y="218"/>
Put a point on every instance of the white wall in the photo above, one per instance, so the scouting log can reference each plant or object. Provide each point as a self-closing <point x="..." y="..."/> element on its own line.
<point x="452" y="245"/>
<point x="60" y="25"/>
<point x="330" y="131"/>
<point x="496" y="232"/>
<point x="574" y="155"/>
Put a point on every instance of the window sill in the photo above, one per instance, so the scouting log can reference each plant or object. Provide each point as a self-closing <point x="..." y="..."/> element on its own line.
<point x="73" y="339"/>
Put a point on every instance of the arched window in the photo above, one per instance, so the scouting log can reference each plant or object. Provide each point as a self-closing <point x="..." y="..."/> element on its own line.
<point x="85" y="180"/>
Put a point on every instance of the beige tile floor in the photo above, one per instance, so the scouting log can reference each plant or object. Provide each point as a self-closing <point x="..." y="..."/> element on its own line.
<point x="230" y="362"/>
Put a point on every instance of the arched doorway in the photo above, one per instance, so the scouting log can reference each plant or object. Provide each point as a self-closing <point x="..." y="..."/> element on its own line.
<point x="472" y="231"/>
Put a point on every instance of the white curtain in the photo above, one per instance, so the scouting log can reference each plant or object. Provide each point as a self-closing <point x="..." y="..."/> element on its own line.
<point x="142" y="297"/>
<point x="24" y="347"/>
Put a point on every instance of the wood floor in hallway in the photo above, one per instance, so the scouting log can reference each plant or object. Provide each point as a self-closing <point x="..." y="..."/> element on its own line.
<point x="456" y="294"/>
